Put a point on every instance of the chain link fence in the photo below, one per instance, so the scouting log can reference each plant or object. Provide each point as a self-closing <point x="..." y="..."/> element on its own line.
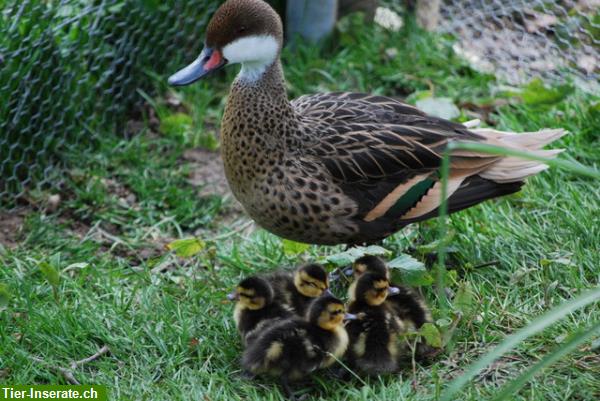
<point x="69" y="71"/>
<point x="521" y="39"/>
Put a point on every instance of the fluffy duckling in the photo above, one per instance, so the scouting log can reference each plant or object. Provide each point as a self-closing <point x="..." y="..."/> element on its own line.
<point x="374" y="334"/>
<point x="299" y="288"/>
<point x="408" y="304"/>
<point x="296" y="347"/>
<point x="256" y="307"/>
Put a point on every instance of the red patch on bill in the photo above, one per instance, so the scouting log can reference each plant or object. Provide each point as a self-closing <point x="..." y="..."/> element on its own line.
<point x="213" y="61"/>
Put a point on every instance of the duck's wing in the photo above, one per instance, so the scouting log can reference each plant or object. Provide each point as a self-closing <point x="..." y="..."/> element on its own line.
<point x="386" y="156"/>
<point x="356" y="107"/>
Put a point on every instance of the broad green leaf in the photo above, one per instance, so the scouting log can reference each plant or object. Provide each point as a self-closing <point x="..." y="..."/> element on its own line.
<point x="513" y="340"/>
<point x="536" y="93"/>
<point x="412" y="272"/>
<point x="50" y="273"/>
<point x="406" y="262"/>
<point x="431" y="334"/>
<point x="186" y="247"/>
<point x="442" y="107"/>
<point x="464" y="300"/>
<point x="571" y="345"/>
<point x="293" y="248"/>
<point x="4" y="296"/>
<point x="349" y="256"/>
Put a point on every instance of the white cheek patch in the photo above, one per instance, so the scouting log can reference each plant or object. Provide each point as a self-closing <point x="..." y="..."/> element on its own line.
<point x="255" y="53"/>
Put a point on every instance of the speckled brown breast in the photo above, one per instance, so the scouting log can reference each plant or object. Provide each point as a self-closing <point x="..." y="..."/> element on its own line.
<point x="283" y="189"/>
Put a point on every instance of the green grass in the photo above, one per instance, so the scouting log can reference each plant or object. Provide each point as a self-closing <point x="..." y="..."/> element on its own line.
<point x="170" y="332"/>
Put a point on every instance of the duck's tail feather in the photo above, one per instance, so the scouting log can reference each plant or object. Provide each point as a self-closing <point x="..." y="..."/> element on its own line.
<point x="514" y="169"/>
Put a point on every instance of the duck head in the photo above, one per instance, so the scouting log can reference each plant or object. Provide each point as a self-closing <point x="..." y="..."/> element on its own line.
<point x="367" y="263"/>
<point x="328" y="312"/>
<point x="248" y="32"/>
<point x="252" y="293"/>
<point x="373" y="289"/>
<point x="311" y="280"/>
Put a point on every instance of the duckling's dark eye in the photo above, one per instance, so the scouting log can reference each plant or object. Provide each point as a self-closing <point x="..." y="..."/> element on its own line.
<point x="241" y="29"/>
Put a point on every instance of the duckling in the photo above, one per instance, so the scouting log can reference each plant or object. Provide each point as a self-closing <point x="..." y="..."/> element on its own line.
<point x="408" y="304"/>
<point x="341" y="167"/>
<point x="299" y="288"/>
<point x="374" y="342"/>
<point x="296" y="347"/>
<point x="256" y="308"/>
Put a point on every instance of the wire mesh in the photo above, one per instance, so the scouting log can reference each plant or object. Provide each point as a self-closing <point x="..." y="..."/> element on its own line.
<point x="70" y="70"/>
<point x="518" y="40"/>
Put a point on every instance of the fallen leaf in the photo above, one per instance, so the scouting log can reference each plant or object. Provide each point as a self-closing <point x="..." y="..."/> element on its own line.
<point x="186" y="247"/>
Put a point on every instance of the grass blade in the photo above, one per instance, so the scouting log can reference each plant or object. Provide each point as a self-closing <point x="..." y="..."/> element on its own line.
<point x="513" y="340"/>
<point x="574" y="341"/>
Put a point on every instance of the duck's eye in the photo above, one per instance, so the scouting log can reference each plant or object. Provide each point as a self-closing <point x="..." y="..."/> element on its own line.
<point x="241" y="29"/>
<point x="310" y="283"/>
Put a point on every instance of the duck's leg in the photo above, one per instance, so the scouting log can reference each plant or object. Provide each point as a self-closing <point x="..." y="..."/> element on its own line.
<point x="287" y="390"/>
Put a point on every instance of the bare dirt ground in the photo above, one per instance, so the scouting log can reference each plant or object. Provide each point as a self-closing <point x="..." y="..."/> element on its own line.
<point x="208" y="175"/>
<point x="11" y="224"/>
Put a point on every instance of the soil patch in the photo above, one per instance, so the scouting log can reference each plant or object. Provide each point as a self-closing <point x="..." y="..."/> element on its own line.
<point x="11" y="226"/>
<point x="208" y="175"/>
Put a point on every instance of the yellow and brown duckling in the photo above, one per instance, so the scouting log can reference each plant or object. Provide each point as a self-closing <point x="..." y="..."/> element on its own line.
<point x="340" y="168"/>
<point x="256" y="308"/>
<point x="296" y="347"/>
<point x="408" y="304"/>
<point x="299" y="288"/>
<point x="374" y="335"/>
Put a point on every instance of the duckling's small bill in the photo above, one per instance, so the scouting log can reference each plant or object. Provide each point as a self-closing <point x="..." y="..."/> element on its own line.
<point x="209" y="60"/>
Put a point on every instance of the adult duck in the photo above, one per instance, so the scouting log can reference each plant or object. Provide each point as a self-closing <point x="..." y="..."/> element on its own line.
<point x="334" y="168"/>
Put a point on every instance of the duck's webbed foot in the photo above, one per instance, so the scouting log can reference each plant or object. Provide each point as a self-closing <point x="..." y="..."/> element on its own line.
<point x="340" y="373"/>
<point x="245" y="374"/>
<point x="289" y="393"/>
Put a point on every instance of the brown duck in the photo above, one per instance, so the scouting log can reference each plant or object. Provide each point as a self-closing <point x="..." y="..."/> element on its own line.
<point x="334" y="168"/>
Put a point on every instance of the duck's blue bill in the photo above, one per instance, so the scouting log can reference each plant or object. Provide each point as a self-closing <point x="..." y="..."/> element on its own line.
<point x="209" y="60"/>
<point x="393" y="291"/>
<point x="350" y="316"/>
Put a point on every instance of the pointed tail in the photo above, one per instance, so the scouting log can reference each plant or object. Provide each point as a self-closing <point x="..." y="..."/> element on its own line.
<point x="513" y="169"/>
